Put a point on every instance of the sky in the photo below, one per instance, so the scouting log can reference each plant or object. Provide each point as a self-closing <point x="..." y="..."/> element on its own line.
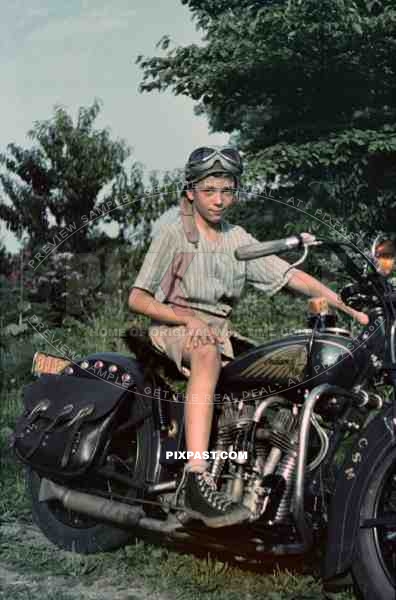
<point x="68" y="53"/>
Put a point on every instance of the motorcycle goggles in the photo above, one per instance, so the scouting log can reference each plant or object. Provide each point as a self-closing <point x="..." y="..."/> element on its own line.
<point x="202" y="162"/>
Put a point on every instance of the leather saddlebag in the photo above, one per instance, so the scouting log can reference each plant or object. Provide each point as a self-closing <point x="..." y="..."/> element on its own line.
<point x="66" y="422"/>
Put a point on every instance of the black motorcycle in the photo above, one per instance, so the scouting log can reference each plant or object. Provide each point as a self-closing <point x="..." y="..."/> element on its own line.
<point x="304" y="436"/>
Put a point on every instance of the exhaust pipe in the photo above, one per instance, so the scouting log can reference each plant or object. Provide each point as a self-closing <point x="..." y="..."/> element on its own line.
<point x="93" y="506"/>
<point x="107" y="510"/>
<point x="120" y="513"/>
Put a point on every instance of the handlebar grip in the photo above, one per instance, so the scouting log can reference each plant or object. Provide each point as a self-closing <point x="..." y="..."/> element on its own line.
<point x="251" y="251"/>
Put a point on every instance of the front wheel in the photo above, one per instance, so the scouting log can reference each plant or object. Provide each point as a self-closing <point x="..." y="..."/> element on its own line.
<point x="78" y="532"/>
<point x="374" y="566"/>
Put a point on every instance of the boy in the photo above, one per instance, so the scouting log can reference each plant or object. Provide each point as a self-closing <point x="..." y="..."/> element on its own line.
<point x="188" y="285"/>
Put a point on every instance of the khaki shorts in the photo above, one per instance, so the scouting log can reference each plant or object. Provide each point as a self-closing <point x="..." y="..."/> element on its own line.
<point x="171" y="339"/>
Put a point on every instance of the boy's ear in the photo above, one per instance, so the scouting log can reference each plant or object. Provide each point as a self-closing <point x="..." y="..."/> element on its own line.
<point x="189" y="195"/>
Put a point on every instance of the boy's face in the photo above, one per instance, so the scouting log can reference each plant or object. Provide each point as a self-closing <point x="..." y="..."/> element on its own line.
<point x="212" y="196"/>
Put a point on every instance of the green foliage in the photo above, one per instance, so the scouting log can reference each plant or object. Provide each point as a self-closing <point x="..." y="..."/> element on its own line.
<point x="73" y="179"/>
<point x="345" y="182"/>
<point x="307" y="89"/>
<point x="58" y="192"/>
<point x="5" y="260"/>
<point x="54" y="183"/>
<point x="272" y="69"/>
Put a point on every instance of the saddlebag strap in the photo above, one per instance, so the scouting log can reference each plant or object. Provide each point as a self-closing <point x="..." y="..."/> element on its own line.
<point x="59" y="417"/>
<point x="75" y="424"/>
<point x="39" y="408"/>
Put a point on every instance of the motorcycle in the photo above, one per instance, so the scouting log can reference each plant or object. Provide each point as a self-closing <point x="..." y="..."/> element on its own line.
<point x="303" y="436"/>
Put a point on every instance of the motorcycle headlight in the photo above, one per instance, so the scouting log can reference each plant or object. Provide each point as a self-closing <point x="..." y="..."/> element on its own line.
<point x="384" y="255"/>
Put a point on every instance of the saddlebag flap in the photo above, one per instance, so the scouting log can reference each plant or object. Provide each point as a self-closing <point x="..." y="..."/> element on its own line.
<point x="66" y="422"/>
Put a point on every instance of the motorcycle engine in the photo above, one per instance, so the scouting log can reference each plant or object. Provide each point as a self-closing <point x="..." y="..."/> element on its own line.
<point x="263" y="480"/>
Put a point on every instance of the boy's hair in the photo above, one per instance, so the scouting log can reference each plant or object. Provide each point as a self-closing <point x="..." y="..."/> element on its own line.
<point x="192" y="184"/>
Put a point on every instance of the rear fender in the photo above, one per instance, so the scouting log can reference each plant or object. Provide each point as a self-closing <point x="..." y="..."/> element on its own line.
<point x="369" y="449"/>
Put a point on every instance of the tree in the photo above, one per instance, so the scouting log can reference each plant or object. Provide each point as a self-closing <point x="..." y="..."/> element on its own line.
<point x="53" y="184"/>
<point x="57" y="193"/>
<point x="5" y="260"/>
<point x="307" y="89"/>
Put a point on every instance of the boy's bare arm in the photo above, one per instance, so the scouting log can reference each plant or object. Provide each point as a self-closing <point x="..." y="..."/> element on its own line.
<point x="143" y="302"/>
<point x="199" y="332"/>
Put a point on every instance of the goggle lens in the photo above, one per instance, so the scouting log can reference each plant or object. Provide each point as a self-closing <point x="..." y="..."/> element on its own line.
<point x="232" y="154"/>
<point x="203" y="153"/>
<point x="200" y="154"/>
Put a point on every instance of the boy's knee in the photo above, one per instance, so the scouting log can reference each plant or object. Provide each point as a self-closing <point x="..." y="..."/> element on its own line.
<point x="206" y="353"/>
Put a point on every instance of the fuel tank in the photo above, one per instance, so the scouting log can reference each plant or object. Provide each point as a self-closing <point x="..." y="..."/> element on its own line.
<point x="296" y="362"/>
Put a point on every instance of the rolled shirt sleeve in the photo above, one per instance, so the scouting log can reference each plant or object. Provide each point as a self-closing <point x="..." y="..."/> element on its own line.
<point x="157" y="264"/>
<point x="268" y="273"/>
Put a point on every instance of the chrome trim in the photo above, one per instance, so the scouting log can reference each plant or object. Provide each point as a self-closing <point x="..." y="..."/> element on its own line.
<point x="337" y="331"/>
<point x="160" y="488"/>
<point x="393" y="342"/>
<point x="292" y="242"/>
<point x="330" y="330"/>
<point x="33" y="361"/>
<point x="311" y="398"/>
<point x="262" y="407"/>
<point x="299" y="332"/>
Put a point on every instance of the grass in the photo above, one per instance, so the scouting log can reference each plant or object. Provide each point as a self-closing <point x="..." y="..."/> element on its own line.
<point x="178" y="575"/>
<point x="25" y="592"/>
<point x="185" y="575"/>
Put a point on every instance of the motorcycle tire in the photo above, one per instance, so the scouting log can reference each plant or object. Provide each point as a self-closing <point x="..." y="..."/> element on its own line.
<point x="80" y="533"/>
<point x="374" y="577"/>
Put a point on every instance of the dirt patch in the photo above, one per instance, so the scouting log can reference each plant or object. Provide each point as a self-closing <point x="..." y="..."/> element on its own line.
<point x="17" y="583"/>
<point x="13" y="583"/>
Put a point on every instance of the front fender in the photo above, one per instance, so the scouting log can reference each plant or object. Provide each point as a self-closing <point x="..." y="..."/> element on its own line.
<point x="369" y="449"/>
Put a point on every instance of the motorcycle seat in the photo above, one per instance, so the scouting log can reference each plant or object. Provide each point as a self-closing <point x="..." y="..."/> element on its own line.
<point x="241" y="343"/>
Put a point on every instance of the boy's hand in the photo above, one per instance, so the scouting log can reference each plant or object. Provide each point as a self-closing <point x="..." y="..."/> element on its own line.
<point x="199" y="332"/>
<point x="361" y="317"/>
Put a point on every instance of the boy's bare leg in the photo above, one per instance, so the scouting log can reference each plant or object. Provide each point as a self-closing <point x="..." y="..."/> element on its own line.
<point x="205" y="365"/>
<point x="214" y="507"/>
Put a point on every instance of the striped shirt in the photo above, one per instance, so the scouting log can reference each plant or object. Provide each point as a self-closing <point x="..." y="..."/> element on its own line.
<point x="206" y="276"/>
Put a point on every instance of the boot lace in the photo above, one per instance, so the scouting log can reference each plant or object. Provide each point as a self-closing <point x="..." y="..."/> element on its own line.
<point x="209" y="491"/>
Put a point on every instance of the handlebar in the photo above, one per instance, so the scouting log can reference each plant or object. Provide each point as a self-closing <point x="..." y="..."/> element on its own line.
<point x="375" y="287"/>
<point x="304" y="240"/>
<point x="251" y="251"/>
